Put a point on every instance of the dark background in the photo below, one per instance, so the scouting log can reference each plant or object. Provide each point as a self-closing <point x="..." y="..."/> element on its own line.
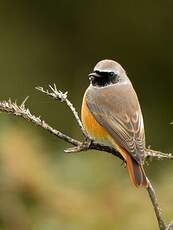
<point x="46" y="42"/>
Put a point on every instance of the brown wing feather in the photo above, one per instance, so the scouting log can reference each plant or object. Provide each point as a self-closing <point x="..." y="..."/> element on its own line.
<point x="117" y="109"/>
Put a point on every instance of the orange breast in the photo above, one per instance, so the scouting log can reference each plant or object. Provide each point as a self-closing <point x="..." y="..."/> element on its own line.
<point x="93" y="128"/>
<point x="96" y="131"/>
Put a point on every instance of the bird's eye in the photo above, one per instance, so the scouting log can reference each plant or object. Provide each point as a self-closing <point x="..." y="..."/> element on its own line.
<point x="111" y="74"/>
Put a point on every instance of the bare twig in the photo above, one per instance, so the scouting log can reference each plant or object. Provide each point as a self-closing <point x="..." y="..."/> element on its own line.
<point x="152" y="194"/>
<point x="22" y="111"/>
<point x="157" y="154"/>
<point x="57" y="94"/>
<point x="87" y="144"/>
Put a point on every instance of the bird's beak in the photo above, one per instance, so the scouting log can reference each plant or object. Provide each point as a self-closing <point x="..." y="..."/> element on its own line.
<point x="93" y="75"/>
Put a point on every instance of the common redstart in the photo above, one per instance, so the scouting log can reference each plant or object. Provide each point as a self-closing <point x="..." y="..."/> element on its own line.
<point x="111" y="114"/>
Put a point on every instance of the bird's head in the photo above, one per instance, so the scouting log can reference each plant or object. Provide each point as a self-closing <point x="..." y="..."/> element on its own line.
<point x="106" y="72"/>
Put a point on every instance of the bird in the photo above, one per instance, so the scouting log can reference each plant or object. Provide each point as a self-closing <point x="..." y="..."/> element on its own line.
<point x="111" y="115"/>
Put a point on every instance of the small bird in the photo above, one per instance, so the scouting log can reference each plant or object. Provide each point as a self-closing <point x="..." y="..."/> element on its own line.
<point x="111" y="115"/>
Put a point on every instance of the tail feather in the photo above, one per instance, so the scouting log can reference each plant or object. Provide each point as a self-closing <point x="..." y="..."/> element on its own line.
<point x="136" y="172"/>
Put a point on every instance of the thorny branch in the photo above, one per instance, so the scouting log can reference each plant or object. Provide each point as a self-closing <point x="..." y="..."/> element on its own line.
<point x="57" y="94"/>
<point x="87" y="144"/>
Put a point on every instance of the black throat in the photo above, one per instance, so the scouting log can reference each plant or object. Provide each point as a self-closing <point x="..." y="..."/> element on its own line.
<point x="104" y="79"/>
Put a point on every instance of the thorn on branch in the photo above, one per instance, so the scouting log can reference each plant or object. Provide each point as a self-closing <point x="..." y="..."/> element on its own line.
<point x="57" y="94"/>
<point x="157" y="154"/>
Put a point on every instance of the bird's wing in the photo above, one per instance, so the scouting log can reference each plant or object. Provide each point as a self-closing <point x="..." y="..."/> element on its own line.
<point x="117" y="109"/>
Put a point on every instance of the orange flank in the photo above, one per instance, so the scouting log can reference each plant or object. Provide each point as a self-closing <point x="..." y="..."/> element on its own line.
<point x="96" y="131"/>
<point x="93" y="128"/>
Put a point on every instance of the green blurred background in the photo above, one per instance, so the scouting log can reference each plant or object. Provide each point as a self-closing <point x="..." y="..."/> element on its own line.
<point x="45" y="42"/>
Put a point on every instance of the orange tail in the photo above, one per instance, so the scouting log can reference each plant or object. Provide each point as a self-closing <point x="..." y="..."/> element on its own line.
<point x="136" y="172"/>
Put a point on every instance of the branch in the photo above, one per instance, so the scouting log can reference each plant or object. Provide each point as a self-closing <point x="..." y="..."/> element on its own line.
<point x="157" y="154"/>
<point x="57" y="94"/>
<point x="152" y="194"/>
<point x="22" y="111"/>
<point x="87" y="143"/>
